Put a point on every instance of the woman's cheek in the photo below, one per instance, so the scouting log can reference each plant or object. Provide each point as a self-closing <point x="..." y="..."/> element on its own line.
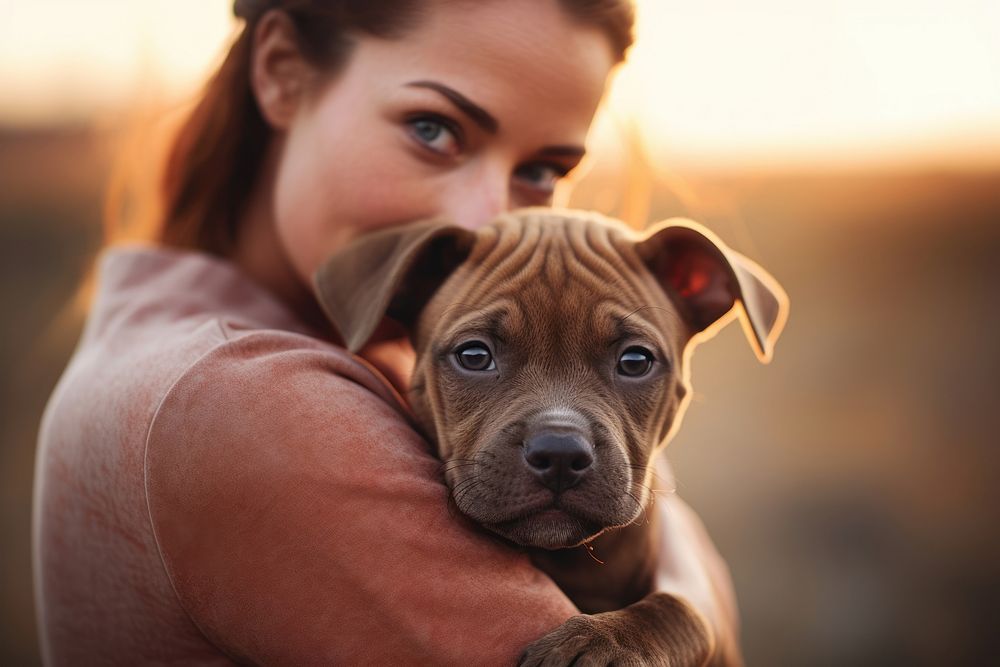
<point x="298" y="207"/>
<point x="324" y="201"/>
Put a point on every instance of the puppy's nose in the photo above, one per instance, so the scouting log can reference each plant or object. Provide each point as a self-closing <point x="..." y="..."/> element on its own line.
<point x="559" y="460"/>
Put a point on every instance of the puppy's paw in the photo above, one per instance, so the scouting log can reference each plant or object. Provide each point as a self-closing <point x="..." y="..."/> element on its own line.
<point x="658" y="631"/>
<point x="582" y="640"/>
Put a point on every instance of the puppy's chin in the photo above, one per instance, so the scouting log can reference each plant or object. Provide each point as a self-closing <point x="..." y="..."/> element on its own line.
<point x="547" y="529"/>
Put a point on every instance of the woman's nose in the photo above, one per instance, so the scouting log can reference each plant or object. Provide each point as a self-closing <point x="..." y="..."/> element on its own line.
<point x="477" y="202"/>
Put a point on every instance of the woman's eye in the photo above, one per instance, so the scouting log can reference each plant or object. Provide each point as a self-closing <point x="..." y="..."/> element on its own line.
<point x="541" y="176"/>
<point x="635" y="362"/>
<point x="436" y="134"/>
<point x="475" y="357"/>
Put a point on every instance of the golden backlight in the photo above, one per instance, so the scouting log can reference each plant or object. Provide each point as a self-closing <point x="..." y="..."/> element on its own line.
<point x="721" y="83"/>
<point x="770" y="82"/>
<point x="850" y="147"/>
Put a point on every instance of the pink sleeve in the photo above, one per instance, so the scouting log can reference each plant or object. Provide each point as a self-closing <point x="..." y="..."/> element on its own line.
<point x="301" y="521"/>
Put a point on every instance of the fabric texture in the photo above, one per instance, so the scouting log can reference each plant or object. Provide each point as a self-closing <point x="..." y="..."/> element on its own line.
<point x="215" y="483"/>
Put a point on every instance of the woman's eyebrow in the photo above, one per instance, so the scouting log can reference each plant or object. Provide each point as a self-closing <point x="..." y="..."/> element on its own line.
<point x="563" y="151"/>
<point x="479" y="115"/>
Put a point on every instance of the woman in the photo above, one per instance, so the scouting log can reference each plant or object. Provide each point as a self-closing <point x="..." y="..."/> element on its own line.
<point x="218" y="480"/>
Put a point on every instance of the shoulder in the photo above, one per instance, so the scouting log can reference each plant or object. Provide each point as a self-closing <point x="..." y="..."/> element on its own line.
<point x="283" y="364"/>
<point x="300" y="518"/>
<point x="271" y="395"/>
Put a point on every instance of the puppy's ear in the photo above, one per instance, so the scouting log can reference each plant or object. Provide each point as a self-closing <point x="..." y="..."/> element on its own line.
<point x="393" y="271"/>
<point x="707" y="279"/>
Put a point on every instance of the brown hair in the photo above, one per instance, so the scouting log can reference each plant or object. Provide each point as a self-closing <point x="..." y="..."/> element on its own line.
<point x="216" y="154"/>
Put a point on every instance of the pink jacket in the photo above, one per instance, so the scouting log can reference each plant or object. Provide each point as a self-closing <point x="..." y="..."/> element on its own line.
<point x="215" y="483"/>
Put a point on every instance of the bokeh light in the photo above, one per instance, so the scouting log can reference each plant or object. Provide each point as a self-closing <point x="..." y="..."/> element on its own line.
<point x="850" y="147"/>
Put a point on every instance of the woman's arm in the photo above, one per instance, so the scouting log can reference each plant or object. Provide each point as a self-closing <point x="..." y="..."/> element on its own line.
<point x="690" y="567"/>
<point x="301" y="521"/>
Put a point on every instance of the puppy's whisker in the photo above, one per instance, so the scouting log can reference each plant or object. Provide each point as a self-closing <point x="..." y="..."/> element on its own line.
<point x="647" y="489"/>
<point x="466" y="489"/>
<point x="464" y="485"/>
<point x="463" y="482"/>
<point x="467" y="486"/>
<point x="457" y="461"/>
<point x="454" y="471"/>
<point x="656" y="477"/>
<point x="460" y="462"/>
<point x="445" y="470"/>
<point x="642" y="507"/>
<point x="643" y="468"/>
<point x="449" y="465"/>
<point x="640" y="481"/>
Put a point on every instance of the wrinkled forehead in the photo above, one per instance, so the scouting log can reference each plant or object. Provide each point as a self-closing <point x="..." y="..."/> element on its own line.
<point x="599" y="323"/>
<point x="559" y="278"/>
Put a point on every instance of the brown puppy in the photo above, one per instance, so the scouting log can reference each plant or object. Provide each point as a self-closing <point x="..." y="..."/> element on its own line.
<point x="552" y="358"/>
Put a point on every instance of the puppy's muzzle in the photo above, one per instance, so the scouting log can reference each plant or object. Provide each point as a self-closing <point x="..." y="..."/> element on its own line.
<point x="559" y="459"/>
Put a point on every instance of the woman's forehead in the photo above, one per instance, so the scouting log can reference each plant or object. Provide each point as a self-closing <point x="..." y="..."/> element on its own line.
<point x="525" y="62"/>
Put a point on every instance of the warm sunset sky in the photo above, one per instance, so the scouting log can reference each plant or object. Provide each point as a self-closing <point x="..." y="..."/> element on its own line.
<point x="710" y="82"/>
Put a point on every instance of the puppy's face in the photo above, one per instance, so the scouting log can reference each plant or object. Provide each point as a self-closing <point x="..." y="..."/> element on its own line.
<point x="549" y="368"/>
<point x="551" y="351"/>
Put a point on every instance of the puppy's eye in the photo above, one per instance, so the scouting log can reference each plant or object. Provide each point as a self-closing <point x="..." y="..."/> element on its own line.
<point x="635" y="361"/>
<point x="475" y="356"/>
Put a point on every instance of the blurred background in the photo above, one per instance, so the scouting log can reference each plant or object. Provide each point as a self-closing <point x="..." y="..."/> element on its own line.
<point x="851" y="147"/>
